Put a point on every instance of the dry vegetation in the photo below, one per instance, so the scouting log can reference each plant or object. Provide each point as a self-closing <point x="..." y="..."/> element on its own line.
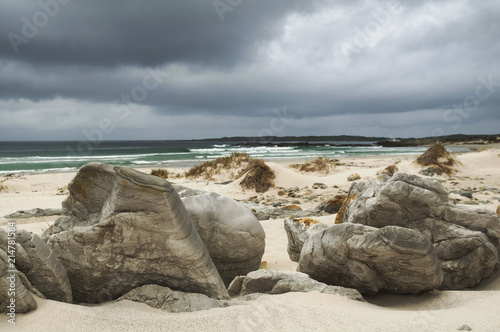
<point x="339" y="219"/>
<point x="390" y="170"/>
<point x="208" y="169"/>
<point x="320" y="165"/>
<point x="438" y="159"/>
<point x="258" y="176"/>
<point x="3" y="187"/>
<point x="161" y="173"/>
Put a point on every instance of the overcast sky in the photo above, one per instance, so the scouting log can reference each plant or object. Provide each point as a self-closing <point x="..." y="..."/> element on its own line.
<point x="165" y="69"/>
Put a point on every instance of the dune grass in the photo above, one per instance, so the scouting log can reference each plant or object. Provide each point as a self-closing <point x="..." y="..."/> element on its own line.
<point x="258" y="176"/>
<point x="390" y="170"/>
<point x="208" y="169"/>
<point x="438" y="159"/>
<point x="320" y="165"/>
<point x="161" y="173"/>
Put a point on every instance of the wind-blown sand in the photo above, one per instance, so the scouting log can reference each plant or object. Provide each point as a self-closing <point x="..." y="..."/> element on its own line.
<point x="435" y="311"/>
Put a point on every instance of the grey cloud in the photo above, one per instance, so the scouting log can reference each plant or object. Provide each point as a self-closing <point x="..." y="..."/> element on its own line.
<point x="263" y="55"/>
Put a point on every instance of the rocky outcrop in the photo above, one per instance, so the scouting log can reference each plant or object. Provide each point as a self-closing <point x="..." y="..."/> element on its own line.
<point x="298" y="231"/>
<point x="14" y="297"/>
<point x="172" y="301"/>
<point x="391" y="259"/>
<point x="123" y="229"/>
<point x="233" y="235"/>
<point x="279" y="282"/>
<point x="41" y="267"/>
<point x="466" y="241"/>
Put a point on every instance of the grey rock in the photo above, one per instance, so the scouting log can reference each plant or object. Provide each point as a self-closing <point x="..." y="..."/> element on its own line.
<point x="279" y="282"/>
<point x="427" y="172"/>
<point x="42" y="268"/>
<point x="354" y="177"/>
<point x="298" y="232"/>
<point x="173" y="301"/>
<point x="124" y="229"/>
<point x="464" y="328"/>
<point x="333" y="205"/>
<point x="34" y="213"/>
<point x="24" y="301"/>
<point x="233" y="235"/>
<point x="466" y="255"/>
<point x="465" y="193"/>
<point x="392" y="259"/>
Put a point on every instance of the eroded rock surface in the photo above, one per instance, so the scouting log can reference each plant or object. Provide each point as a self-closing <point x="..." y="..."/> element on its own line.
<point x="391" y="259"/>
<point x="279" y="282"/>
<point x="233" y="235"/>
<point x="42" y="268"/>
<point x="298" y="231"/>
<point x="123" y="229"/>
<point x="466" y="241"/>
<point x="172" y="301"/>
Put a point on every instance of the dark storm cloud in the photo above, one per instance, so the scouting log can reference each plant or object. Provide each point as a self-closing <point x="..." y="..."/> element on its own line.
<point x="108" y="33"/>
<point x="385" y="65"/>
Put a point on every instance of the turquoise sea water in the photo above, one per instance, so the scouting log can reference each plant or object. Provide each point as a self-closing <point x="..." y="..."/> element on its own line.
<point x="34" y="157"/>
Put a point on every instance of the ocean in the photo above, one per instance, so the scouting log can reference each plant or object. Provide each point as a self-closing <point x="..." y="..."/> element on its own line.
<point x="40" y="157"/>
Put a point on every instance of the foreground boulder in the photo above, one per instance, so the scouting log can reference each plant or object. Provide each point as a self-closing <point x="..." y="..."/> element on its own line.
<point x="298" y="231"/>
<point x="391" y="259"/>
<point x="172" y="301"/>
<point x="124" y="229"/>
<point x="11" y="288"/>
<point x="279" y="282"/>
<point x="42" y="268"/>
<point x="233" y="235"/>
<point x="466" y="241"/>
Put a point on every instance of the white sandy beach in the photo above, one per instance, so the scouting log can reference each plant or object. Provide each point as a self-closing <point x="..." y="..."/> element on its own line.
<point x="435" y="311"/>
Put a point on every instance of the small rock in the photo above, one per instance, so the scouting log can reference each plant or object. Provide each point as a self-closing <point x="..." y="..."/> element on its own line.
<point x="465" y="193"/>
<point x="292" y="207"/>
<point x="427" y="172"/>
<point x="354" y="177"/>
<point x="498" y="210"/>
<point x="464" y="328"/>
<point x="282" y="193"/>
<point x="320" y="185"/>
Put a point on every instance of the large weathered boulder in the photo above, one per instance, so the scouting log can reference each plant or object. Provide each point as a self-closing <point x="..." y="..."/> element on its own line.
<point x="41" y="267"/>
<point x="466" y="241"/>
<point x="279" y="282"/>
<point x="172" y="301"/>
<point x="298" y="231"/>
<point x="124" y="229"/>
<point x="14" y="297"/>
<point x="391" y="259"/>
<point x="233" y="235"/>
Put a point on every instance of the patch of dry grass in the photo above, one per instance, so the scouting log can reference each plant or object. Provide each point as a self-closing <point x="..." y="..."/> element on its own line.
<point x="320" y="165"/>
<point x="438" y="159"/>
<point x="390" y="170"/>
<point x="161" y="173"/>
<point x="259" y="176"/>
<point x="339" y="219"/>
<point x="3" y="187"/>
<point x="208" y="169"/>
